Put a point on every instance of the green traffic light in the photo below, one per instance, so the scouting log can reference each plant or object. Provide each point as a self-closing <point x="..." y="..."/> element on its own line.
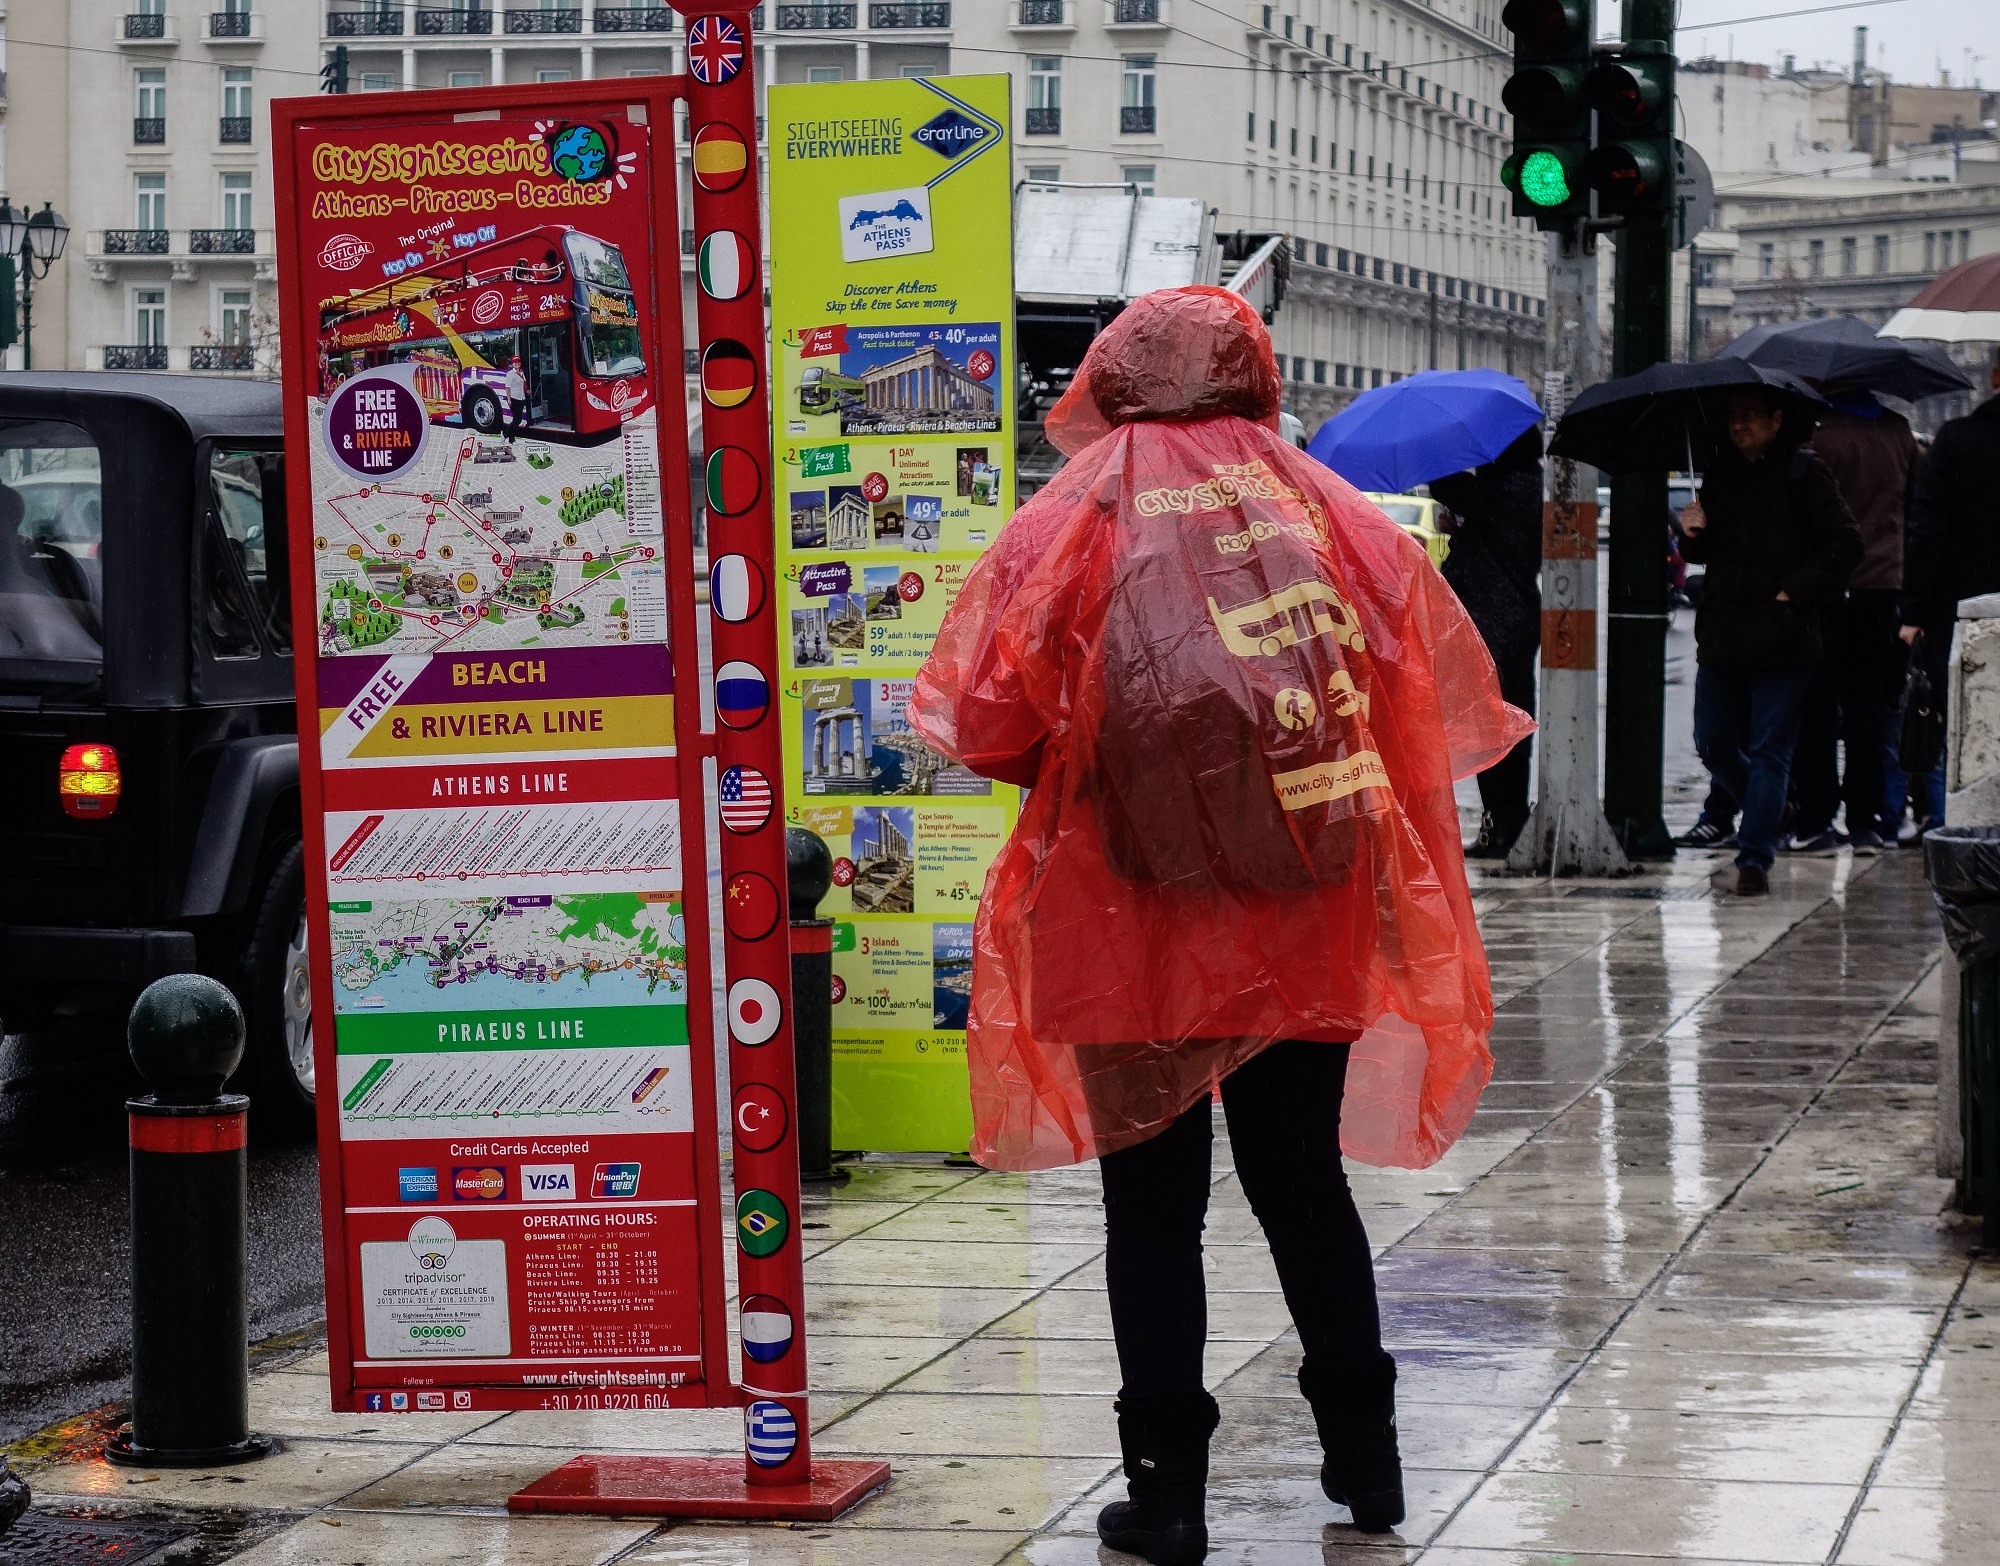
<point x="1543" y="178"/>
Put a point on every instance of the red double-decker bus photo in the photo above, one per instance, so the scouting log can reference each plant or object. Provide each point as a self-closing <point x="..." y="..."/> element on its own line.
<point x="538" y="332"/>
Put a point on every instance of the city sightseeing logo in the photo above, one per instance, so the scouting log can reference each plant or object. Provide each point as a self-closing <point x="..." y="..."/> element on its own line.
<point x="344" y="252"/>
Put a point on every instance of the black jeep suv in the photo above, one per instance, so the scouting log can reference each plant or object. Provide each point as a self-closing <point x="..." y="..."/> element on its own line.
<point x="149" y="773"/>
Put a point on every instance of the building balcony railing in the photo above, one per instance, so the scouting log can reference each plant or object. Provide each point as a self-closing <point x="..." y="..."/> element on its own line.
<point x="1043" y="13"/>
<point x="1137" y="120"/>
<point x="1043" y="122"/>
<point x="146" y="27"/>
<point x="149" y="131"/>
<point x="565" y="21"/>
<point x="135" y="356"/>
<point x="1135" y="13"/>
<point x="135" y="241"/>
<point x="235" y="358"/>
<point x="464" y="21"/>
<point x="228" y="24"/>
<point x="234" y="128"/>
<point x="910" y="13"/>
<point x="365" y="24"/>
<point x="805" y="18"/>
<point x="633" y="19"/>
<point x="222" y="241"/>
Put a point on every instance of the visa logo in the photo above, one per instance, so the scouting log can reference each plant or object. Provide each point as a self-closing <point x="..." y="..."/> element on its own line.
<point x="417" y="1185"/>
<point x="611" y="1182"/>
<point x="548" y="1182"/>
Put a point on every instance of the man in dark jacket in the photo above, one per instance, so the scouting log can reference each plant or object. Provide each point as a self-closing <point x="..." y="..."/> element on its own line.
<point x="1778" y="541"/>
<point x="1873" y="456"/>
<point x="1495" y="568"/>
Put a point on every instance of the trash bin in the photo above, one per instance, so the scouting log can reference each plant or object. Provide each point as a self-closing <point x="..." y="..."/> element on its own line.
<point x="1963" y="867"/>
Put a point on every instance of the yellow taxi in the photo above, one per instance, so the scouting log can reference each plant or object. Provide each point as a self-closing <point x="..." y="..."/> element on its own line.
<point x="1417" y="515"/>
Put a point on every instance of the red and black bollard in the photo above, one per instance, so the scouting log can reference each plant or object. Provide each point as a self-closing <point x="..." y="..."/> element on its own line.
<point x="808" y="874"/>
<point x="190" y="1198"/>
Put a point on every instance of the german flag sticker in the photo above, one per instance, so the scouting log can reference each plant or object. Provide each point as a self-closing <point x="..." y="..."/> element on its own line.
<point x="734" y="481"/>
<point x="720" y="158"/>
<point x="728" y="373"/>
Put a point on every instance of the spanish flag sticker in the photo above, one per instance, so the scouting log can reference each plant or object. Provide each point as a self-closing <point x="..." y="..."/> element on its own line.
<point x="720" y="158"/>
<point x="728" y="266"/>
<point x="728" y="373"/>
<point x="734" y="481"/>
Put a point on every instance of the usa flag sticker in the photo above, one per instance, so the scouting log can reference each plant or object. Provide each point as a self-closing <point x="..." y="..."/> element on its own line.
<point x="746" y="799"/>
<point x="735" y="588"/>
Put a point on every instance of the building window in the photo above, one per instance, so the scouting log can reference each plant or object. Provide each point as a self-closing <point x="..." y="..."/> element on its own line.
<point x="149" y="106"/>
<point x="1136" y="111"/>
<point x="1250" y="126"/>
<point x="1340" y="375"/>
<point x="560" y="73"/>
<point x="1295" y="141"/>
<point x="465" y="79"/>
<point x="1881" y="252"/>
<point x="1965" y="244"/>
<point x="1319" y="372"/>
<point x="1767" y="260"/>
<point x="149" y="201"/>
<point x="232" y="309"/>
<point x="1042" y="174"/>
<point x="1850" y="256"/>
<point x="1816" y="257"/>
<point x="825" y="73"/>
<point x="1930" y="250"/>
<point x="149" y="317"/>
<point x="236" y="202"/>
<point x="1705" y="271"/>
<point x="1140" y="174"/>
<point x="377" y="81"/>
<point x="1044" y="95"/>
<point x="235" y="92"/>
<point x="1374" y="377"/>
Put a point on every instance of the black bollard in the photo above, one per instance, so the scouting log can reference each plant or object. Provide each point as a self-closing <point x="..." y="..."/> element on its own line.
<point x="190" y="1196"/>
<point x="809" y="872"/>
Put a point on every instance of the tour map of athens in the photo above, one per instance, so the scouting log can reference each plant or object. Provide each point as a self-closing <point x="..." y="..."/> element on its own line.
<point x="487" y="544"/>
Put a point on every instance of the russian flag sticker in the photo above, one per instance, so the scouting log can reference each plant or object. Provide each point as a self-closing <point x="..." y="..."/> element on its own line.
<point x="742" y="694"/>
<point x="767" y="1328"/>
<point x="735" y="588"/>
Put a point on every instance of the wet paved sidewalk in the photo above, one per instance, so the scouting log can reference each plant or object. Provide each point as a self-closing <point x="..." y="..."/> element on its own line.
<point x="1682" y="1293"/>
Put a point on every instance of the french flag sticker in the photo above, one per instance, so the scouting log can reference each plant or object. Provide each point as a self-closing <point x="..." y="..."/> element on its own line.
<point x="767" y="1328"/>
<point x="742" y="694"/>
<point x="735" y="588"/>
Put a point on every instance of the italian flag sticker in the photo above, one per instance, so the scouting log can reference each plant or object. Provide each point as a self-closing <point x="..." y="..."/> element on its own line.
<point x="727" y="265"/>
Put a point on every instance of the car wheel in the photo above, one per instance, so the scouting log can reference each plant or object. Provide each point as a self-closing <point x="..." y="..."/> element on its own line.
<point x="483" y="412"/>
<point x="277" y="996"/>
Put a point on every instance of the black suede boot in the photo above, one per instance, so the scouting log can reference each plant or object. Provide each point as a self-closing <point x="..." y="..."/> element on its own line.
<point x="1165" y="1442"/>
<point x="1356" y="1415"/>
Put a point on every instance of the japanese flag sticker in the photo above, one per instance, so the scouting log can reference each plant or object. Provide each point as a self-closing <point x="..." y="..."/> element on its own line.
<point x="754" y="1012"/>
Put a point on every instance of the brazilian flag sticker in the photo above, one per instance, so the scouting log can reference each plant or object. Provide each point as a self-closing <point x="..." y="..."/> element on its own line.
<point x="762" y="1224"/>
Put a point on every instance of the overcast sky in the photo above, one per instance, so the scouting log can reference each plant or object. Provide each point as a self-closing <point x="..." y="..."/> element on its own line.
<point x="1912" y="38"/>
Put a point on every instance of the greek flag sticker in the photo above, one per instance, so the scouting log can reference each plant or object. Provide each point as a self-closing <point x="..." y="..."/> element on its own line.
<point x="769" y="1433"/>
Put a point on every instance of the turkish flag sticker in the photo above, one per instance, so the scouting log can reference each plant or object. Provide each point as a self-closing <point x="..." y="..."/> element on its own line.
<point x="760" y="1118"/>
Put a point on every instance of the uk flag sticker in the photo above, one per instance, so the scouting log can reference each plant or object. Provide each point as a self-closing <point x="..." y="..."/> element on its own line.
<point x="770" y="1433"/>
<point x="715" y="50"/>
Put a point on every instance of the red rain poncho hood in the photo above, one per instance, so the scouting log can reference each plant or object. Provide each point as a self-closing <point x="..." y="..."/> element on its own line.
<point x="1240" y="695"/>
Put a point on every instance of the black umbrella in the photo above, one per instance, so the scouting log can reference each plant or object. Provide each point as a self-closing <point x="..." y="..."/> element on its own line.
<point x="1843" y="353"/>
<point x="1672" y="416"/>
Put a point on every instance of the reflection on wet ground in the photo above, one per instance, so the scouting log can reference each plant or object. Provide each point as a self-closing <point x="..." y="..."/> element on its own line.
<point x="1684" y="1292"/>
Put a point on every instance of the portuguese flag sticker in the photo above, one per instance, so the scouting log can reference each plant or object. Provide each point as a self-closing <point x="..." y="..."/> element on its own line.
<point x="734" y="481"/>
<point x="720" y="158"/>
<point x="727" y="264"/>
<point x="728" y="373"/>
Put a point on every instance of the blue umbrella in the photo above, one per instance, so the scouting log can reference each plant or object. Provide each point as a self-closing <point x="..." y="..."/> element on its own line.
<point x="1435" y="422"/>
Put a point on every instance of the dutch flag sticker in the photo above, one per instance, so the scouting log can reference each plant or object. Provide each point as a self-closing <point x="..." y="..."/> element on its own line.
<point x="770" y="1433"/>
<point x="767" y="1328"/>
<point x="742" y="694"/>
<point x="735" y="588"/>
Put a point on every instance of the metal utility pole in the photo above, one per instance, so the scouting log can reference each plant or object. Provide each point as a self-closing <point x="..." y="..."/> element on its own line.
<point x="1567" y="833"/>
<point x="1636" y="663"/>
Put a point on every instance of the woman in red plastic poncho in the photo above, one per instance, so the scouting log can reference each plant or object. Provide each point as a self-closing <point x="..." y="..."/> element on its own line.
<point x="1240" y="696"/>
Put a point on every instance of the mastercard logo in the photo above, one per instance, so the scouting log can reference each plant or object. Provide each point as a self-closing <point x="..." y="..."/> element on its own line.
<point x="479" y="1185"/>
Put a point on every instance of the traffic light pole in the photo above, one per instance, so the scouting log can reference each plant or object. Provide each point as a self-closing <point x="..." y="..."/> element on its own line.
<point x="1636" y="663"/>
<point x="1567" y="833"/>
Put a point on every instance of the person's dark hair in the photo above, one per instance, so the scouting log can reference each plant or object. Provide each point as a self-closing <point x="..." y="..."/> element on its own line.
<point x="1524" y="455"/>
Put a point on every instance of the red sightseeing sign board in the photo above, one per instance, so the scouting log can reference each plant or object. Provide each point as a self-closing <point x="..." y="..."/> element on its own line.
<point x="503" y="793"/>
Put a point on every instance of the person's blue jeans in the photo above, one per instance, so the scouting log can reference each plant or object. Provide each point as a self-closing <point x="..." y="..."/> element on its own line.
<point x="1929" y="791"/>
<point x="1745" y="726"/>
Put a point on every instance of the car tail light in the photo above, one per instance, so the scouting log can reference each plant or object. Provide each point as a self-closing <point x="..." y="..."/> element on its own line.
<point x="89" y="780"/>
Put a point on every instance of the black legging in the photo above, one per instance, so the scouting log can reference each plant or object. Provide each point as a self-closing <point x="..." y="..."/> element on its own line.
<point x="1283" y="1108"/>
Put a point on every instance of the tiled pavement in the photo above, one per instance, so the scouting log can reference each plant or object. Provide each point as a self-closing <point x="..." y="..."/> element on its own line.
<point x="1683" y="1293"/>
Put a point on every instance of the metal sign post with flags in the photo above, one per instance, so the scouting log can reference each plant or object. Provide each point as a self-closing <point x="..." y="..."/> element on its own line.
<point x="503" y="811"/>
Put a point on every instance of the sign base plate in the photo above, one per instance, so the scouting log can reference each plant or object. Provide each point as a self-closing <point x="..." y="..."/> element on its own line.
<point x="697" y="1487"/>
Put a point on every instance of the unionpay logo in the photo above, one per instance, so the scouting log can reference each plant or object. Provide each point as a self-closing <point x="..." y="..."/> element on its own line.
<point x="417" y="1185"/>
<point x="548" y="1182"/>
<point x="614" y="1182"/>
<point x="479" y="1185"/>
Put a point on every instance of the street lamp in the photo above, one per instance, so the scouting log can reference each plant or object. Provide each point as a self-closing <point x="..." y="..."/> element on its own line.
<point x="33" y="242"/>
